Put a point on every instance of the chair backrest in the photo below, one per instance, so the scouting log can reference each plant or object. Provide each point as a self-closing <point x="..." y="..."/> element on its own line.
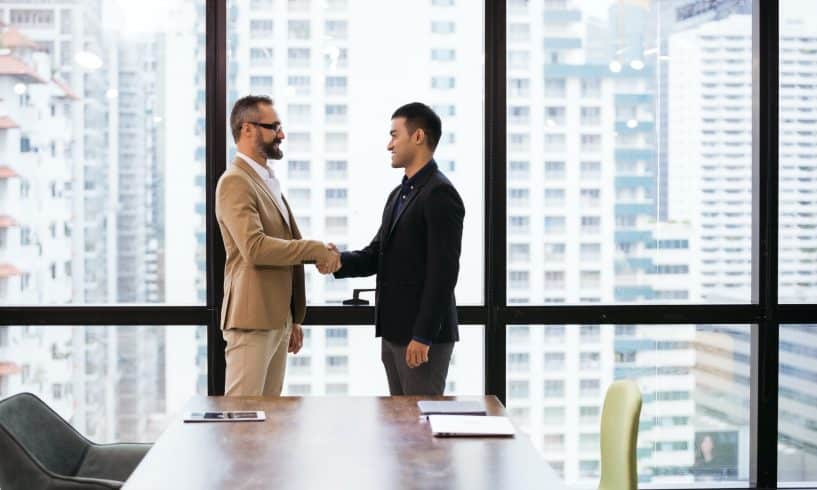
<point x="619" y="435"/>
<point x="43" y="433"/>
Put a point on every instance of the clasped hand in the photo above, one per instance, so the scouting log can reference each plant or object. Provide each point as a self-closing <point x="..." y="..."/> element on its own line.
<point x="331" y="262"/>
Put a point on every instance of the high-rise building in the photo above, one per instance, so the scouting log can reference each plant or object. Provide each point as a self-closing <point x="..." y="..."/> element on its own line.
<point x="35" y="218"/>
<point x="91" y="222"/>
<point x="139" y="364"/>
<point x="710" y="156"/>
<point x="139" y="217"/>
<point x="604" y="238"/>
<point x="74" y="43"/>
<point x="710" y="151"/>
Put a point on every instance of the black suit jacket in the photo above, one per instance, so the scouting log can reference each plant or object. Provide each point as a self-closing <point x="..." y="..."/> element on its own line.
<point x="416" y="259"/>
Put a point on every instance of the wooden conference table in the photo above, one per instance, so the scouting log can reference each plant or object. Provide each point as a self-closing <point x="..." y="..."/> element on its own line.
<point x="335" y="443"/>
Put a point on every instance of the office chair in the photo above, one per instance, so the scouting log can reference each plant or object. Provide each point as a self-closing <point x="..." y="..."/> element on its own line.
<point x="619" y="435"/>
<point x="41" y="450"/>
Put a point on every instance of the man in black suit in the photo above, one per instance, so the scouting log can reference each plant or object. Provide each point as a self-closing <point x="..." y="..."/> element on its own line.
<point x="415" y="255"/>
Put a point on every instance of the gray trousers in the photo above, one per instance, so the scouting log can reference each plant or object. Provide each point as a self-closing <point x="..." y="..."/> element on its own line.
<point x="425" y="379"/>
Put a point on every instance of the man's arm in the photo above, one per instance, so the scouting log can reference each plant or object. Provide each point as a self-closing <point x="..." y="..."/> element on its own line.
<point x="241" y="218"/>
<point x="444" y="213"/>
<point x="365" y="262"/>
<point x="360" y="263"/>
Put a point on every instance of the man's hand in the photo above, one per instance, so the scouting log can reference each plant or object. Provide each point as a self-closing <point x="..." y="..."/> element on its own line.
<point x="331" y="263"/>
<point x="416" y="354"/>
<point x="296" y="339"/>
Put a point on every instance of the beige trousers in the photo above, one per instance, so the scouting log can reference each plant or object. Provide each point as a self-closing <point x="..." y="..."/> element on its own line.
<point x="256" y="360"/>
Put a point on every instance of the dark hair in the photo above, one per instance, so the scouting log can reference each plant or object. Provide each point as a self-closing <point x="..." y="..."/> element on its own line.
<point x="244" y="110"/>
<point x="421" y="116"/>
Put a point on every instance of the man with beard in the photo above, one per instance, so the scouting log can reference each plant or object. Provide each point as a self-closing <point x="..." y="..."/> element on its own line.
<point x="264" y="299"/>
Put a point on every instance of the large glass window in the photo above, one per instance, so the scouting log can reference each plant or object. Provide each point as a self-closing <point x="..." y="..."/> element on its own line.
<point x="797" y="256"/>
<point x="345" y="360"/>
<point x="694" y="384"/>
<point x="111" y="383"/>
<point x="102" y="154"/>
<point x="637" y="120"/>
<point x="797" y="405"/>
<point x="332" y="121"/>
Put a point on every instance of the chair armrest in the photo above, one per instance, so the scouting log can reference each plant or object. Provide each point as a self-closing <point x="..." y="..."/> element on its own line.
<point x="79" y="483"/>
<point x="19" y="469"/>
<point x="112" y="461"/>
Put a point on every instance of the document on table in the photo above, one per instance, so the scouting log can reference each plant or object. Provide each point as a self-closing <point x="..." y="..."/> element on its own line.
<point x="468" y="425"/>
<point x="228" y="416"/>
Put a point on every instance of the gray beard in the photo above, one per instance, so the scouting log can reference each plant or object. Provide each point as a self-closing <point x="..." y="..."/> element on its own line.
<point x="270" y="152"/>
<point x="274" y="153"/>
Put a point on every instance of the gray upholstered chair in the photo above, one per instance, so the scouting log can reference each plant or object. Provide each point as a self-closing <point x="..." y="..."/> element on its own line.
<point x="40" y="450"/>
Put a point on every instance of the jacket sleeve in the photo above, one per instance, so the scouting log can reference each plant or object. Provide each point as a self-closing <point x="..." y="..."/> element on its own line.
<point x="360" y="263"/>
<point x="364" y="262"/>
<point x="444" y="214"/>
<point x="238" y="212"/>
<point x="298" y="302"/>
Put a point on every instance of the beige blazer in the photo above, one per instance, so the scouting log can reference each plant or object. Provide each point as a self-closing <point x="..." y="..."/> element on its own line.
<point x="263" y="275"/>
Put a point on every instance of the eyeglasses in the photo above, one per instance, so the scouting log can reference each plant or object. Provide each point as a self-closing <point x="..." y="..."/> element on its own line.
<point x="271" y="126"/>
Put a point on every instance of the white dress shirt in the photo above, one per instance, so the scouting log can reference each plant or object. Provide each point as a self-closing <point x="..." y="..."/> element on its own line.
<point x="267" y="174"/>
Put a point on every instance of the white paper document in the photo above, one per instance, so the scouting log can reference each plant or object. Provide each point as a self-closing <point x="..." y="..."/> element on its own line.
<point x="468" y="425"/>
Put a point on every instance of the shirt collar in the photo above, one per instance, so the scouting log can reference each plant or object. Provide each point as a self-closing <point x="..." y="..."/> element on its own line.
<point x="426" y="170"/>
<point x="264" y="172"/>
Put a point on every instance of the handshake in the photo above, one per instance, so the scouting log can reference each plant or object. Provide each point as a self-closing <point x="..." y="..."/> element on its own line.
<point x="329" y="263"/>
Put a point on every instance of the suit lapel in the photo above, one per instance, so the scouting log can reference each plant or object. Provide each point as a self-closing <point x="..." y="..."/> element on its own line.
<point x="388" y="213"/>
<point x="293" y="227"/>
<point x="240" y="163"/>
<point x="409" y="200"/>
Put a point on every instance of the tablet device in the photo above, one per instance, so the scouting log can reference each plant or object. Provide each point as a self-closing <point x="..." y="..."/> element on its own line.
<point x="454" y="407"/>
<point x="226" y="416"/>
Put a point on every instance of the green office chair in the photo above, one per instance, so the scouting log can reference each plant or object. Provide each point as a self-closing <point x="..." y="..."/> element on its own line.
<point x="41" y="450"/>
<point x="619" y="434"/>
